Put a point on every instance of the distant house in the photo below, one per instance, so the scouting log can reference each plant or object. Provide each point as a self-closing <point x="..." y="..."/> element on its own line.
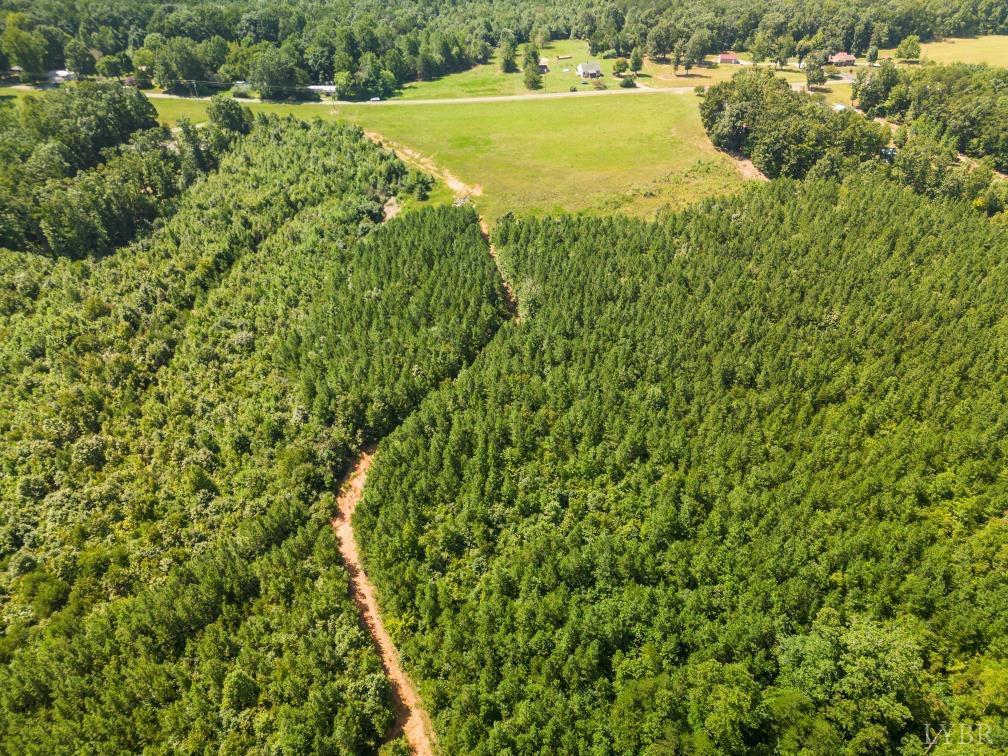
<point x="589" y="70"/>
<point x="728" y="57"/>
<point x="543" y="65"/>
<point x="841" y="59"/>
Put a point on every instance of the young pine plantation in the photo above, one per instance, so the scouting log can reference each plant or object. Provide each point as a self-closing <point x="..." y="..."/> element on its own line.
<point x="173" y="446"/>
<point x="299" y="457"/>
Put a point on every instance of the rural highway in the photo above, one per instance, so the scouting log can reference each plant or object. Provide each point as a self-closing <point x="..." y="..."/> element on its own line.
<point x="639" y="90"/>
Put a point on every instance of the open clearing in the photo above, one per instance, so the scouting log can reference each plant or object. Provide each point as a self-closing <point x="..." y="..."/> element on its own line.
<point x="636" y="154"/>
<point x="991" y="49"/>
<point x="488" y="80"/>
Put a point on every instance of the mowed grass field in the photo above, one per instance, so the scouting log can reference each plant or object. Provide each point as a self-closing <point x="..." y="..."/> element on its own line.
<point x="633" y="153"/>
<point x="488" y="80"/>
<point x="638" y="154"/>
<point x="991" y="49"/>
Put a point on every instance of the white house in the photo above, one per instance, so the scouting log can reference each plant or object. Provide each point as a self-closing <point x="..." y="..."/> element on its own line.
<point x="589" y="70"/>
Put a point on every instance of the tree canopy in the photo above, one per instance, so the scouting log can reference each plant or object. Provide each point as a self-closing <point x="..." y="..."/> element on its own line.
<point x="167" y="570"/>
<point x="731" y="484"/>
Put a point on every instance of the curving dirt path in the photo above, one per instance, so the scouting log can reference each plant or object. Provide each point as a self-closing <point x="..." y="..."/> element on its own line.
<point x="411" y="157"/>
<point x="411" y="719"/>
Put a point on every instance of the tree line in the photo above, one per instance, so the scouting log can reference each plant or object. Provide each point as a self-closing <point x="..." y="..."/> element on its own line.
<point x="278" y="49"/>
<point x="962" y="105"/>
<point x="370" y="49"/>
<point x="791" y="134"/>
<point x="86" y="167"/>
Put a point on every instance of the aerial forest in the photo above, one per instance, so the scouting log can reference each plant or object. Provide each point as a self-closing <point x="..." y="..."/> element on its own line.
<point x="173" y="438"/>
<point x="313" y="436"/>
<point x="792" y="134"/>
<point x="733" y="483"/>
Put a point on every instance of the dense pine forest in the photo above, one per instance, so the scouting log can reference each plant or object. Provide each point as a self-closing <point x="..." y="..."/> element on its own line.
<point x="734" y="483"/>
<point x="299" y="454"/>
<point x="170" y="573"/>
<point x="86" y="168"/>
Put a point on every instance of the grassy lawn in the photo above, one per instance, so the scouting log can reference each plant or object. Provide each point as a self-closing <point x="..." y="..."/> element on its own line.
<point x="488" y="81"/>
<point x="991" y="49"/>
<point x="835" y="92"/>
<point x="14" y="94"/>
<point x="637" y="154"/>
<point x="663" y="75"/>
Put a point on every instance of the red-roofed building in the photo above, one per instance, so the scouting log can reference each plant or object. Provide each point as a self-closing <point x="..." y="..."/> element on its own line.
<point x="841" y="59"/>
<point x="728" y="57"/>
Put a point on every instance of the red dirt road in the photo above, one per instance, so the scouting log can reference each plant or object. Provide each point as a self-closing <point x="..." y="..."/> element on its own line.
<point x="411" y="718"/>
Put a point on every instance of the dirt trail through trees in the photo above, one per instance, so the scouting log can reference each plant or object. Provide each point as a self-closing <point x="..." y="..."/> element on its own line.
<point x="461" y="190"/>
<point x="509" y="295"/>
<point x="411" y="719"/>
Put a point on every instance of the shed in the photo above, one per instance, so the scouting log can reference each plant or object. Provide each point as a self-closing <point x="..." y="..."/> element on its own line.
<point x="728" y="57"/>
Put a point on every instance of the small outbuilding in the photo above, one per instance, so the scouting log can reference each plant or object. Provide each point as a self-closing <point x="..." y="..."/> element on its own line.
<point x="589" y="70"/>
<point x="728" y="57"/>
<point x="60" y="76"/>
<point x="842" y="59"/>
<point x="543" y="65"/>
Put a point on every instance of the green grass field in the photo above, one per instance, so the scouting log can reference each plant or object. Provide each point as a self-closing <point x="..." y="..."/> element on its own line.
<point x="835" y="92"/>
<point x="637" y="154"/>
<point x="991" y="49"/>
<point x="13" y="93"/>
<point x="488" y="81"/>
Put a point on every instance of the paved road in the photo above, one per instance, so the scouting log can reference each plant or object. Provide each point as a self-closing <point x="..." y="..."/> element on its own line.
<point x="639" y="90"/>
